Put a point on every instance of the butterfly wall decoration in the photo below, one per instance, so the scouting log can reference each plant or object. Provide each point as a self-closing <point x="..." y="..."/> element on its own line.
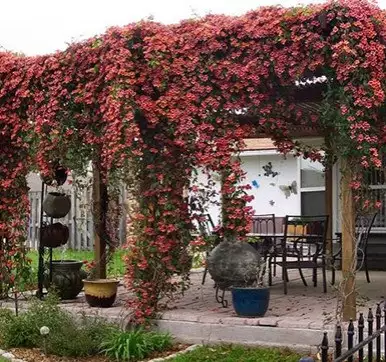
<point x="289" y="189"/>
<point x="255" y="184"/>
<point x="268" y="170"/>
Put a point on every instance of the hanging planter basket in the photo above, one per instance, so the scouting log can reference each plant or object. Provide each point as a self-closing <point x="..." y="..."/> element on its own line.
<point x="58" y="178"/>
<point x="56" y="205"/>
<point x="54" y="235"/>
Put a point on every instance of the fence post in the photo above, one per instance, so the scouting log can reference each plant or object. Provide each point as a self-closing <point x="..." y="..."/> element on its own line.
<point x="338" y="341"/>
<point x="370" y="320"/>
<point x="378" y="315"/>
<point x="324" y="348"/>
<point x="350" y="339"/>
<point x="384" y="333"/>
<point x="361" y="327"/>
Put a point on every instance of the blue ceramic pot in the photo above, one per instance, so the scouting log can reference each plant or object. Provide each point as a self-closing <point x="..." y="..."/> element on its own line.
<point x="250" y="302"/>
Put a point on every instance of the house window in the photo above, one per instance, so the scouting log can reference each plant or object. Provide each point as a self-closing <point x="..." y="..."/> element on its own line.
<point x="312" y="188"/>
<point x="377" y="192"/>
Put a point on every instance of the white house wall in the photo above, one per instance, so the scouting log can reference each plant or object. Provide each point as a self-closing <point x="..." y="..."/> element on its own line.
<point x="212" y="207"/>
<point x="268" y="197"/>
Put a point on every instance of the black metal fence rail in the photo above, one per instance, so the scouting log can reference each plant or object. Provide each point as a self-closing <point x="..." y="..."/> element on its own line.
<point x="358" y="351"/>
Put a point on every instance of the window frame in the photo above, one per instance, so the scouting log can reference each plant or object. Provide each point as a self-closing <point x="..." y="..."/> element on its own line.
<point x="306" y="189"/>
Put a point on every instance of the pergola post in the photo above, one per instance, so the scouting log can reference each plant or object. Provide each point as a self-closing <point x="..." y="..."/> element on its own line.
<point x="99" y="222"/>
<point x="328" y="206"/>
<point x="348" y="244"/>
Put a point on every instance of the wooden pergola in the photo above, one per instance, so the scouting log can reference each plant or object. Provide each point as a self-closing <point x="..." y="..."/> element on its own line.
<point x="308" y="96"/>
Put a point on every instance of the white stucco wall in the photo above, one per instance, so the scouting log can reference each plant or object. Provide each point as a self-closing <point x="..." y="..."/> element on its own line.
<point x="212" y="206"/>
<point x="268" y="189"/>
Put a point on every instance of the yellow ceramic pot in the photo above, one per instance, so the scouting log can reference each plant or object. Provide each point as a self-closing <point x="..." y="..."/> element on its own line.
<point x="100" y="292"/>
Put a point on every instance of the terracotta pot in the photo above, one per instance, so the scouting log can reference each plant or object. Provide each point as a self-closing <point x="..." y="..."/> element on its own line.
<point x="100" y="292"/>
<point x="67" y="278"/>
<point x="56" y="205"/>
<point x="54" y="235"/>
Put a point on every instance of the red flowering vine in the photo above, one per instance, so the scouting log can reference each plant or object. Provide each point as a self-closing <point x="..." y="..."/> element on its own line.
<point x="152" y="102"/>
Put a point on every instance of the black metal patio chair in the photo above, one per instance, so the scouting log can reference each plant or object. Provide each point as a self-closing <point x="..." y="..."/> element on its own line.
<point x="303" y="246"/>
<point x="206" y="229"/>
<point x="363" y="224"/>
<point x="264" y="233"/>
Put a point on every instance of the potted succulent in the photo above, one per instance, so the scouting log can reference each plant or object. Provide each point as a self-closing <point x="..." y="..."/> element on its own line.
<point x="99" y="292"/>
<point x="252" y="300"/>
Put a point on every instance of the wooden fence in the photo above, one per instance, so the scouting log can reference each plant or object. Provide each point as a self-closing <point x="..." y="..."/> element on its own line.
<point x="78" y="220"/>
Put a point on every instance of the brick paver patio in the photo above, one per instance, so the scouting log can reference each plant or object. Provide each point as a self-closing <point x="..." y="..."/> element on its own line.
<point x="295" y="319"/>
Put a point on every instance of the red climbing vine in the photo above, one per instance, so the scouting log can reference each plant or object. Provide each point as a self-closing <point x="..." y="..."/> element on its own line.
<point x="153" y="102"/>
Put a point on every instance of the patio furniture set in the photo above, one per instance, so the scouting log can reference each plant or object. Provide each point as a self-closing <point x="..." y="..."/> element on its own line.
<point x="296" y="242"/>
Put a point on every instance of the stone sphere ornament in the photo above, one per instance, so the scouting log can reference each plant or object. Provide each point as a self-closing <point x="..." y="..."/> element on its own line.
<point x="233" y="264"/>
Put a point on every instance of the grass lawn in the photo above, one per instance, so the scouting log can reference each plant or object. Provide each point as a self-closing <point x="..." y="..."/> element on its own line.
<point x="238" y="354"/>
<point x="115" y="267"/>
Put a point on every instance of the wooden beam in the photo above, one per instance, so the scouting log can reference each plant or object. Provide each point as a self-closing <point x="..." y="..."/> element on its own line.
<point x="99" y="240"/>
<point x="348" y="245"/>
<point x="328" y="205"/>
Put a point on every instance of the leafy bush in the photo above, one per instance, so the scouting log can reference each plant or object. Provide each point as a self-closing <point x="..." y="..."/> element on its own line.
<point x="78" y="339"/>
<point x="6" y="317"/>
<point x="67" y="336"/>
<point x="24" y="331"/>
<point x="70" y="337"/>
<point x="135" y="344"/>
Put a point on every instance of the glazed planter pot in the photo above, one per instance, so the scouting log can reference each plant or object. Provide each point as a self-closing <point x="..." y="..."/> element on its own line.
<point x="54" y="235"/>
<point x="250" y="302"/>
<point x="56" y="205"/>
<point x="100" y="292"/>
<point x="67" y="278"/>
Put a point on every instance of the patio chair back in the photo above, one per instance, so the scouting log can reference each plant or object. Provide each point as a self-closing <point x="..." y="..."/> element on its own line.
<point x="364" y="224"/>
<point x="264" y="224"/>
<point x="306" y="229"/>
<point x="205" y="224"/>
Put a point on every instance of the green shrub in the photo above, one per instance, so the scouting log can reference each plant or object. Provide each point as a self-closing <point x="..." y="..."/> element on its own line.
<point x="78" y="339"/>
<point x="24" y="331"/>
<point x="67" y="336"/>
<point x="6" y="317"/>
<point x="134" y="345"/>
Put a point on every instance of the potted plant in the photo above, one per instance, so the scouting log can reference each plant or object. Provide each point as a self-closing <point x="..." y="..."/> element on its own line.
<point x="99" y="292"/>
<point x="252" y="300"/>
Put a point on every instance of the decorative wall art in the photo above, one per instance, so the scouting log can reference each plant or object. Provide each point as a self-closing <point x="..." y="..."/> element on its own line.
<point x="268" y="170"/>
<point x="289" y="189"/>
<point x="255" y="184"/>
